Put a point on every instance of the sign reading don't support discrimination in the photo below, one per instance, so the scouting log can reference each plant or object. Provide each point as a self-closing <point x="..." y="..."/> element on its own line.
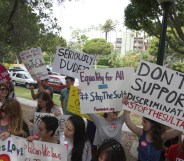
<point x="34" y="62"/>
<point x="158" y="93"/>
<point x="18" y="149"/>
<point x="70" y="63"/>
<point x="102" y="90"/>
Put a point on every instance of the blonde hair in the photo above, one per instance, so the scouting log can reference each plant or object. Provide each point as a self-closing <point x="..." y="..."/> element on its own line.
<point x="13" y="109"/>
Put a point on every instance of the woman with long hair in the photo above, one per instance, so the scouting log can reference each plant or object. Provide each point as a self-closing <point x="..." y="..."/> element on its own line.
<point x="11" y="121"/>
<point x="46" y="104"/>
<point x="75" y="140"/>
<point x="151" y="137"/>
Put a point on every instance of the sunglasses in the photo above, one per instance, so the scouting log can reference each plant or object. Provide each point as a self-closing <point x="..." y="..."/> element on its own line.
<point x="115" y="145"/>
<point x="3" y="89"/>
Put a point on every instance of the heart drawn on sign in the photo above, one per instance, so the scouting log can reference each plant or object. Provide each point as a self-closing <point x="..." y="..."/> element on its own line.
<point x="4" y="157"/>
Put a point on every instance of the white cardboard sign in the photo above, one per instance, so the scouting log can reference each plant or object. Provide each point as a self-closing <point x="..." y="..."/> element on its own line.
<point x="70" y="63"/>
<point x="102" y="90"/>
<point x="35" y="64"/>
<point x="158" y="93"/>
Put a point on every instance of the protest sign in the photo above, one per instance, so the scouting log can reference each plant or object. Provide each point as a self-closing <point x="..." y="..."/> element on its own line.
<point x="61" y="118"/>
<point x="34" y="62"/>
<point x="70" y="63"/>
<point x="18" y="149"/>
<point x="102" y="90"/>
<point x="4" y="75"/>
<point x="157" y="93"/>
<point x="74" y="102"/>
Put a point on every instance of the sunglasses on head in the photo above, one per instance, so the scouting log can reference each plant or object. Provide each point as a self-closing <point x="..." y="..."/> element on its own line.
<point x="3" y="89"/>
<point x="114" y="144"/>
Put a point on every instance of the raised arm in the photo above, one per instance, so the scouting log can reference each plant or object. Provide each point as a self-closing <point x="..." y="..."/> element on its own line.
<point x="135" y="129"/>
<point x="169" y="134"/>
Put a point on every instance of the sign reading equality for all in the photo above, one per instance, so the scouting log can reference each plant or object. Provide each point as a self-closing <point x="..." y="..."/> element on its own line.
<point x="34" y="62"/>
<point x="18" y="149"/>
<point x="158" y="93"/>
<point x="70" y="63"/>
<point x="102" y="90"/>
<point x="4" y="75"/>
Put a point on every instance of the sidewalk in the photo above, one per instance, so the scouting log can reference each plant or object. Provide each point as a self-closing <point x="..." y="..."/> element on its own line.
<point x="33" y="103"/>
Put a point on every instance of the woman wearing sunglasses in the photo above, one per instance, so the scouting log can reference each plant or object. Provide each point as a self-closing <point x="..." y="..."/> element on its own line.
<point x="4" y="92"/>
<point x="11" y="121"/>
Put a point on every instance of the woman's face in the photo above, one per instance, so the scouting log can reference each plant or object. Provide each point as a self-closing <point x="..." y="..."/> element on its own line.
<point x="69" y="130"/>
<point x="146" y="124"/>
<point x="112" y="115"/>
<point x="3" y="91"/>
<point x="42" y="103"/>
<point x="42" y="130"/>
<point x="102" y="157"/>
<point x="4" y="113"/>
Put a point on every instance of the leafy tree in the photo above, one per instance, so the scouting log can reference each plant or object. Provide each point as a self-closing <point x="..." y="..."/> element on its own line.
<point x="107" y="27"/>
<point x="145" y="15"/>
<point x="97" y="47"/>
<point x="78" y="40"/>
<point x="178" y="66"/>
<point x="22" y="24"/>
<point x="49" y="42"/>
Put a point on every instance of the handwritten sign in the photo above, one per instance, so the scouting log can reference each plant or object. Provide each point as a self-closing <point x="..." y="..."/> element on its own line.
<point x="4" y="75"/>
<point x="102" y="90"/>
<point x="61" y="118"/>
<point x="157" y="93"/>
<point x="70" y="63"/>
<point x="18" y="149"/>
<point x="74" y="102"/>
<point x="34" y="62"/>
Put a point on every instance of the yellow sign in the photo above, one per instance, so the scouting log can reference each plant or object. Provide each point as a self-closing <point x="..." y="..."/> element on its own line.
<point x="74" y="102"/>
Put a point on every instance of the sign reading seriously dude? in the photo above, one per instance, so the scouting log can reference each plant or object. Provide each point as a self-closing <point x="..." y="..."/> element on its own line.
<point x="68" y="62"/>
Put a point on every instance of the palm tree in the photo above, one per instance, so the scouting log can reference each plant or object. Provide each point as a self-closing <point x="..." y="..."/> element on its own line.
<point x="107" y="27"/>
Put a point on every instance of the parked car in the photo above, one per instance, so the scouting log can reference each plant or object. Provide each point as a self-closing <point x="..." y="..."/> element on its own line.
<point x="57" y="82"/>
<point x="16" y="68"/>
<point x="23" y="78"/>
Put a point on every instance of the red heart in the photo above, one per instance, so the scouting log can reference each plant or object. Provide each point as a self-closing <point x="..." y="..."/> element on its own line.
<point x="4" y="157"/>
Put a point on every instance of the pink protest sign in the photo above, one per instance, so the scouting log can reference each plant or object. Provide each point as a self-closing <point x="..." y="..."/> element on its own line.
<point x="4" y="75"/>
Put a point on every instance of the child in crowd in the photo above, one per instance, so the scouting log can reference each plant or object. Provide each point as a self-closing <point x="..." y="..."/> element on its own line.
<point x="47" y="129"/>
<point x="11" y="121"/>
<point x="151" y="137"/>
<point x="175" y="152"/>
<point x="110" y="150"/>
<point x="75" y="140"/>
<point x="107" y="127"/>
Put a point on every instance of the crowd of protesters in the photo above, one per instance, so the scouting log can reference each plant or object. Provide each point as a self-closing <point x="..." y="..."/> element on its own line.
<point x="107" y="132"/>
